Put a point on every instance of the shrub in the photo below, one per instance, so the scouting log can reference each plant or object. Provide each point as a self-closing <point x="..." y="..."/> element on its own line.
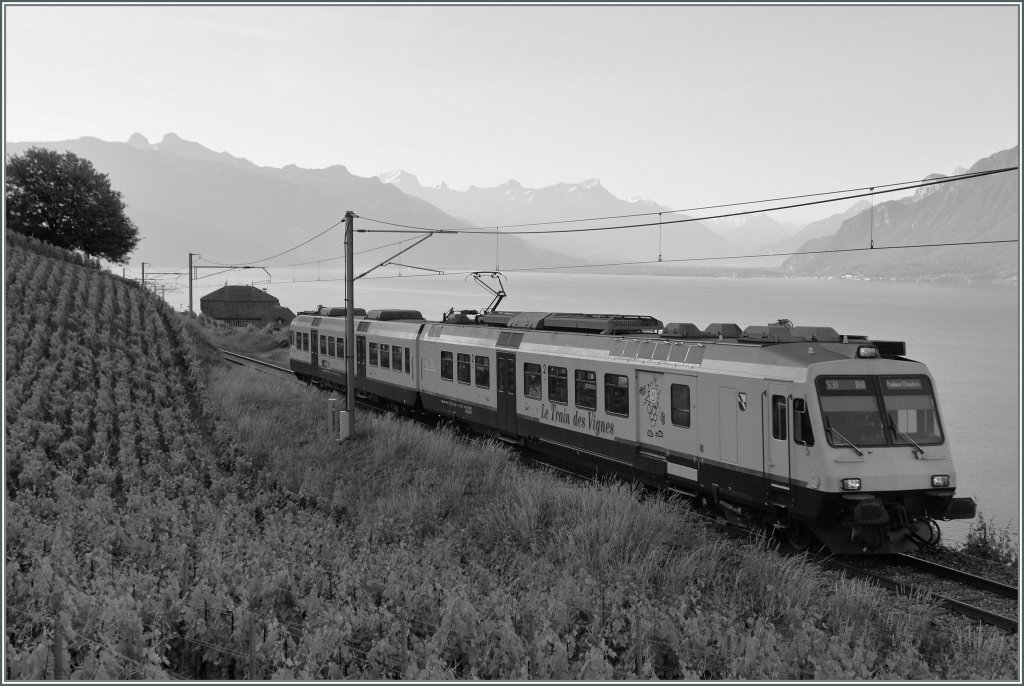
<point x="987" y="542"/>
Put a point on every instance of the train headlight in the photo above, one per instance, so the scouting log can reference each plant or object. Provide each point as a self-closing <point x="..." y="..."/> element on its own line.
<point x="850" y="484"/>
<point x="867" y="351"/>
<point x="940" y="480"/>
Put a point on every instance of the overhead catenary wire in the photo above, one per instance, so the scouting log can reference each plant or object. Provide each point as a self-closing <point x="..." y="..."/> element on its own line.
<point x="872" y="191"/>
<point x="296" y="247"/>
<point x="302" y="264"/>
<point x="905" y="187"/>
<point x="639" y="263"/>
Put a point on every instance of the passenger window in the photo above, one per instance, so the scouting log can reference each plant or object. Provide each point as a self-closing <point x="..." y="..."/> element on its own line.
<point x="779" y="420"/>
<point x="373" y="353"/>
<point x="305" y="342"/>
<point x="408" y="367"/>
<point x="396" y="357"/>
<point x="385" y="355"/>
<point x="341" y="347"/>
<point x="558" y="385"/>
<point x="463" y="367"/>
<point x="323" y="345"/>
<point x="330" y="346"/>
<point x="531" y="380"/>
<point x="616" y="394"/>
<point x="447" y="366"/>
<point x="483" y="371"/>
<point x="681" y="405"/>
<point x="586" y="389"/>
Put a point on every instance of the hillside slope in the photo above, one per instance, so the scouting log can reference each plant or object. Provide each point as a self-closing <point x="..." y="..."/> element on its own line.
<point x="126" y="507"/>
<point x="107" y="469"/>
<point x="982" y="209"/>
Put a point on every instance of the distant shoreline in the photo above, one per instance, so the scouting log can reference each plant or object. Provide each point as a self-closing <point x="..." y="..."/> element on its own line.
<point x="739" y="273"/>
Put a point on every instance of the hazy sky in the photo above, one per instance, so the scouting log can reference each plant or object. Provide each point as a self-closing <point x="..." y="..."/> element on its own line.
<point x="685" y="105"/>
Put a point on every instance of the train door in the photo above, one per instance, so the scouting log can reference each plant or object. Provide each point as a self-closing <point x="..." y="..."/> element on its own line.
<point x="652" y="404"/>
<point x="728" y="427"/>
<point x="776" y="423"/>
<point x="314" y="350"/>
<point x="360" y="357"/>
<point x="507" y="393"/>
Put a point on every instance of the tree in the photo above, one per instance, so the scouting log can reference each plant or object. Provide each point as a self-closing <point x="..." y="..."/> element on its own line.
<point x="63" y="200"/>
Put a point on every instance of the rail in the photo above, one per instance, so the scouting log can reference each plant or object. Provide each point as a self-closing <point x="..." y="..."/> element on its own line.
<point x="903" y="588"/>
<point x="254" y="363"/>
<point x="972" y="580"/>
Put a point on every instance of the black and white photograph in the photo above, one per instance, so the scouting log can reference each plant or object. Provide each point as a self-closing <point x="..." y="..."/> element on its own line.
<point x="511" y="342"/>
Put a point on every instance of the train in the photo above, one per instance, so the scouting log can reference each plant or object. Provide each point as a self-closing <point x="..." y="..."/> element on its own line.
<point x="823" y="438"/>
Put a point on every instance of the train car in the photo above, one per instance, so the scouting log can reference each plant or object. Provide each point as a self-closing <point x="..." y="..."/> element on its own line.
<point x="387" y="347"/>
<point x="317" y="345"/>
<point x="816" y="434"/>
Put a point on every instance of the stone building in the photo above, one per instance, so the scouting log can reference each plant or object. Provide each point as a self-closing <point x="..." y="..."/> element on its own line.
<point x="245" y="306"/>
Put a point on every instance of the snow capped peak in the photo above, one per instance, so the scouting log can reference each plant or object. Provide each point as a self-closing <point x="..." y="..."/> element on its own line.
<point x="398" y="177"/>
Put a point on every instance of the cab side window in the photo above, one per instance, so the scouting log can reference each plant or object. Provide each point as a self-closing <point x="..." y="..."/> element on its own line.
<point x="802" y="432"/>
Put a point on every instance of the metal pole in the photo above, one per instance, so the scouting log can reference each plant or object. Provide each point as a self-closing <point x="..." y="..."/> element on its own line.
<point x="350" y="326"/>
<point x="143" y="275"/>
<point x="190" y="282"/>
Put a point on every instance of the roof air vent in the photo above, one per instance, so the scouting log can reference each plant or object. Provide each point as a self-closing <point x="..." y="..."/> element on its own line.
<point x="682" y="330"/>
<point x="719" y="330"/>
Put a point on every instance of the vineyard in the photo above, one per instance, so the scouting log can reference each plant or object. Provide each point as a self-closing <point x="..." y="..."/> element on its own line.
<point x="168" y="519"/>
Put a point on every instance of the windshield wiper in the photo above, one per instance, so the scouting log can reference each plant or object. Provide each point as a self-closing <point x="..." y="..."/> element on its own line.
<point x="828" y="425"/>
<point x="895" y="429"/>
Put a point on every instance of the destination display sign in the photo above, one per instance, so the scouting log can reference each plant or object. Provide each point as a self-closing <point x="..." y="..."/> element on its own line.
<point x="840" y="385"/>
<point x="904" y="385"/>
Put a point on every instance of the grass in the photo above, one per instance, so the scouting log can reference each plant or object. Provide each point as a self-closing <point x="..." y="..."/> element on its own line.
<point x="526" y="575"/>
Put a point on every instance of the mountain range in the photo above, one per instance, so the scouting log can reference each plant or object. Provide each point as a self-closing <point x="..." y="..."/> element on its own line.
<point x="966" y="214"/>
<point x="186" y="198"/>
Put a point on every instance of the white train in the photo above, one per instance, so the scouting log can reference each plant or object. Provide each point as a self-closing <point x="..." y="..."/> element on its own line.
<point x="818" y="434"/>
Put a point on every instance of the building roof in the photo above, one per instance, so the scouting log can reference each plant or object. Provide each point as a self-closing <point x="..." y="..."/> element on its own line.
<point x="238" y="302"/>
<point x="239" y="294"/>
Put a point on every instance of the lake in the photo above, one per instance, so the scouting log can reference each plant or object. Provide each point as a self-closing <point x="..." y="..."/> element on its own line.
<point x="968" y="335"/>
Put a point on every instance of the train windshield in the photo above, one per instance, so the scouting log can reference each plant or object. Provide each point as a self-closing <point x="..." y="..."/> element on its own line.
<point x="849" y="408"/>
<point x="861" y="411"/>
<point x="910" y="405"/>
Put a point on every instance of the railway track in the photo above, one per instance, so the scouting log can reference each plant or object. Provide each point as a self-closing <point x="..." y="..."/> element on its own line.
<point x="978" y="598"/>
<point x="983" y="600"/>
<point x="252" y="362"/>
